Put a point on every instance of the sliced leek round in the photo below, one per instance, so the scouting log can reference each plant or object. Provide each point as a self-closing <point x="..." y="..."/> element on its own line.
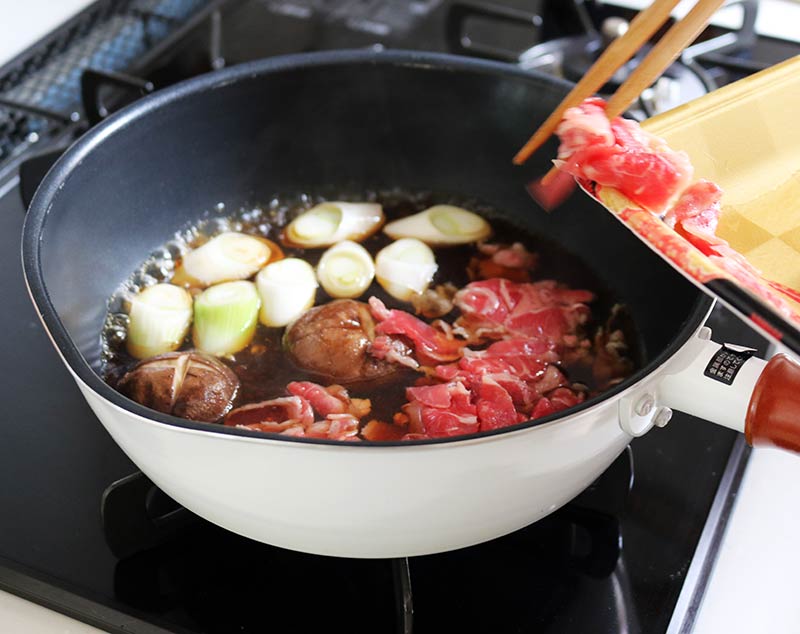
<point x="331" y="222"/>
<point x="441" y="225"/>
<point x="159" y="319"/>
<point x="225" y="317"/>
<point x="405" y="267"/>
<point x="287" y="289"/>
<point x="346" y="270"/>
<point x="226" y="257"/>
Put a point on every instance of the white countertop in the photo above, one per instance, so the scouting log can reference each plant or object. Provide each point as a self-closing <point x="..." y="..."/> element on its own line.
<point x="24" y="23"/>
<point x="753" y="586"/>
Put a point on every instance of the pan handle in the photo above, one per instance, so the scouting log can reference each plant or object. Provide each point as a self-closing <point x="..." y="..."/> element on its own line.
<point x="727" y="385"/>
<point x="773" y="414"/>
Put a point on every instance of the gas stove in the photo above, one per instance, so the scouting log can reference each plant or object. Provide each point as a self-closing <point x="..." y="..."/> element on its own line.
<point x="84" y="533"/>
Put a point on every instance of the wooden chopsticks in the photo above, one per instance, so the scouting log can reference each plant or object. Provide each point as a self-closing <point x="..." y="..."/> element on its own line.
<point x="665" y="51"/>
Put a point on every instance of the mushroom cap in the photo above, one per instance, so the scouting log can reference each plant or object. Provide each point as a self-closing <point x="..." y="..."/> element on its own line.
<point x="187" y="384"/>
<point x="334" y="341"/>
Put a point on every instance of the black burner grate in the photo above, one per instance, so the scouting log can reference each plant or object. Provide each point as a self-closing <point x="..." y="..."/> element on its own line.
<point x="40" y="90"/>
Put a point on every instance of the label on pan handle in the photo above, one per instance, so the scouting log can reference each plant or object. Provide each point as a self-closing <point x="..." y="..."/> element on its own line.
<point x="726" y="363"/>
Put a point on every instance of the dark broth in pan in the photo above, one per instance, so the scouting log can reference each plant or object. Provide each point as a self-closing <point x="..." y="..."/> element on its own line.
<point x="264" y="369"/>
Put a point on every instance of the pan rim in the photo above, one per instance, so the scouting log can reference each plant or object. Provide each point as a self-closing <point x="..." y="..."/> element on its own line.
<point x="43" y="202"/>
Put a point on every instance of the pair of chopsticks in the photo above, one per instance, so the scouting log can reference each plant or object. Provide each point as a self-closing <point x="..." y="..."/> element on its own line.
<point x="622" y="49"/>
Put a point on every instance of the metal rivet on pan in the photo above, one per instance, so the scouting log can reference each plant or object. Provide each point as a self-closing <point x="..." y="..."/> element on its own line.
<point x="662" y="417"/>
<point x="645" y="405"/>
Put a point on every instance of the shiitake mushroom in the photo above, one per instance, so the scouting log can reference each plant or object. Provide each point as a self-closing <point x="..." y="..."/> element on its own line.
<point x="333" y="341"/>
<point x="187" y="384"/>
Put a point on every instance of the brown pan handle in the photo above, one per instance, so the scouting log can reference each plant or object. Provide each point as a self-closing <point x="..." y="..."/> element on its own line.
<point x="773" y="414"/>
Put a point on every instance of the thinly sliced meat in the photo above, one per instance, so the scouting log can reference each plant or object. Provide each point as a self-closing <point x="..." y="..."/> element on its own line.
<point x="295" y="430"/>
<point x="415" y="437"/>
<point x="523" y="368"/>
<point x="441" y="423"/>
<point x="513" y="347"/>
<point x="696" y="215"/>
<point x="284" y="411"/>
<point x="441" y="410"/>
<point x="515" y="364"/>
<point x="499" y="308"/>
<point x="431" y="346"/>
<point x="333" y="399"/>
<point x="560" y="399"/>
<point x="394" y="351"/>
<point x="550" y="380"/>
<point x="563" y="397"/>
<point x="542" y="408"/>
<point x="515" y="256"/>
<point x="512" y="262"/>
<point x="619" y="154"/>
<point x="334" y="427"/>
<point x="412" y="411"/>
<point x="584" y="125"/>
<point x="695" y="218"/>
<point x="289" y="427"/>
<point x="525" y="357"/>
<point x="293" y="415"/>
<point x="324" y="400"/>
<point x="522" y="393"/>
<point x="439" y="395"/>
<point x="343" y="427"/>
<point x="449" y="372"/>
<point x="495" y="406"/>
<point x="482" y="402"/>
<point x="511" y="380"/>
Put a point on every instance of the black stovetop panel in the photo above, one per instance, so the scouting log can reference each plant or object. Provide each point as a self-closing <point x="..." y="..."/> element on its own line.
<point x="565" y="574"/>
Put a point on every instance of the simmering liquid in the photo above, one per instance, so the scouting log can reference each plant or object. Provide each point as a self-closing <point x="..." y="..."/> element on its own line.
<point x="263" y="368"/>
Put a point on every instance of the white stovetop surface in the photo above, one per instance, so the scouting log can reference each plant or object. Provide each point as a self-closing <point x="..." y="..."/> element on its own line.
<point x="753" y="586"/>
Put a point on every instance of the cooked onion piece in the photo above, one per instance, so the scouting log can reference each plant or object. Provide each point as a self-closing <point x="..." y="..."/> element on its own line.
<point x="440" y="225"/>
<point x="332" y="222"/>
<point x="287" y="289"/>
<point x="158" y="320"/>
<point x="226" y="257"/>
<point x="225" y="317"/>
<point x="345" y="270"/>
<point x="405" y="268"/>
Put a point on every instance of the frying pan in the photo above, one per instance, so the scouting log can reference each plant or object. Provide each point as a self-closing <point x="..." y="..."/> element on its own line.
<point x="367" y="120"/>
